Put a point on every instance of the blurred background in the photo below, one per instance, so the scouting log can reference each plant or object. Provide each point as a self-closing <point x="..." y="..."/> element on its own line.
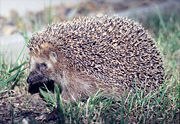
<point x="23" y="17"/>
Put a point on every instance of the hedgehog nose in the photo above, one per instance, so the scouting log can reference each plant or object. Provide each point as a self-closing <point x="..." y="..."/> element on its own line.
<point x="28" y="80"/>
<point x="31" y="76"/>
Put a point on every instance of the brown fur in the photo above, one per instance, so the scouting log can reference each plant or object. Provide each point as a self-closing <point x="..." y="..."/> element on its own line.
<point x="74" y="84"/>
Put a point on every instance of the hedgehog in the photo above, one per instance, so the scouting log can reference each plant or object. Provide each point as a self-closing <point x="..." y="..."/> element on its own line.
<point x="88" y="54"/>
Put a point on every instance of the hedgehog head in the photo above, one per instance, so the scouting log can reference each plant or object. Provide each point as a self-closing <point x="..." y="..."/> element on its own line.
<point x="43" y="68"/>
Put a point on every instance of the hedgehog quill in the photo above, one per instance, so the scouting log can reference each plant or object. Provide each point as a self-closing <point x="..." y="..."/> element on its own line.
<point x="82" y="56"/>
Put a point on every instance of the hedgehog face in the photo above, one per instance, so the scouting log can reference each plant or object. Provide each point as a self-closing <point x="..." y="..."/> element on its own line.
<point x="42" y="72"/>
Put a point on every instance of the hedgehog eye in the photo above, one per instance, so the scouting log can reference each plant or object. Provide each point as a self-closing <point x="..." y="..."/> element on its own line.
<point x="43" y="66"/>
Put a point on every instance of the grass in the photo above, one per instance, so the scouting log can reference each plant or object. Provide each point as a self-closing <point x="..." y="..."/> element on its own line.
<point x="159" y="107"/>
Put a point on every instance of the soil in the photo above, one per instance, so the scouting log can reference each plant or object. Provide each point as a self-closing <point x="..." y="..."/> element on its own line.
<point x="20" y="106"/>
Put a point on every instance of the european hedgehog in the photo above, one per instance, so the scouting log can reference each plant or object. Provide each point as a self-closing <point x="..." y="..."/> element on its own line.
<point x="82" y="56"/>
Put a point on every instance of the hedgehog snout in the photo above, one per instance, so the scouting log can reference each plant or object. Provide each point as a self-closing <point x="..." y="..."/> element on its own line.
<point x="37" y="80"/>
<point x="34" y="77"/>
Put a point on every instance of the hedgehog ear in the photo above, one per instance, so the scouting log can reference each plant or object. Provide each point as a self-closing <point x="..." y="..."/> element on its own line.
<point x="53" y="56"/>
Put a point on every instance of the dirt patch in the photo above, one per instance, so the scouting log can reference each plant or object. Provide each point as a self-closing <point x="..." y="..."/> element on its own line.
<point x="16" y="106"/>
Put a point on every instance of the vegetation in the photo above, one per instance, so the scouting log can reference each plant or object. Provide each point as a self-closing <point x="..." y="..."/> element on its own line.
<point x="159" y="107"/>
